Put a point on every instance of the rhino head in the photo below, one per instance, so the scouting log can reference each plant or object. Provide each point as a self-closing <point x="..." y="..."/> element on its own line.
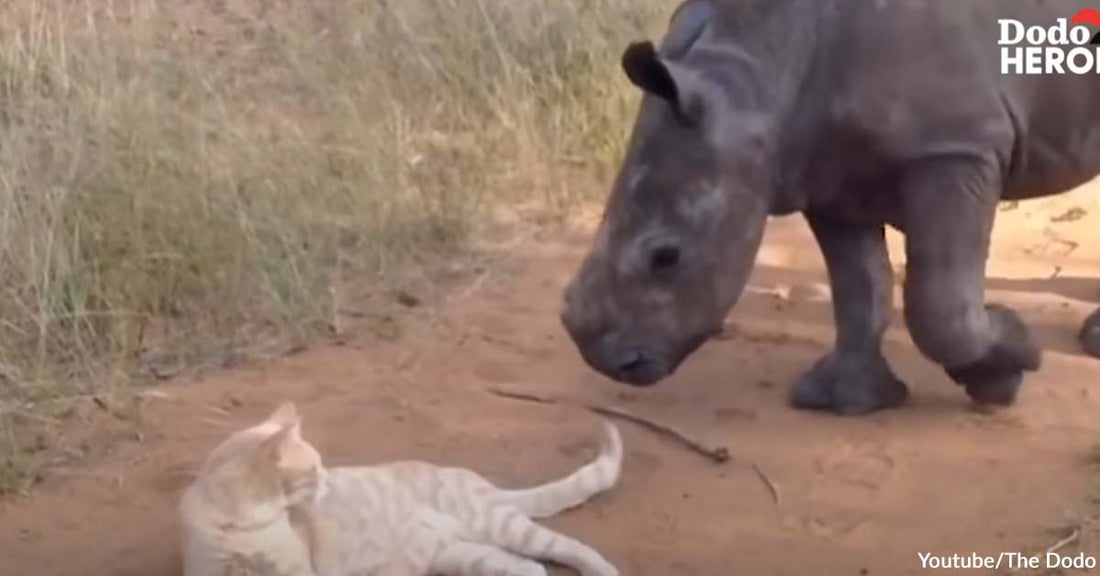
<point x="684" y="220"/>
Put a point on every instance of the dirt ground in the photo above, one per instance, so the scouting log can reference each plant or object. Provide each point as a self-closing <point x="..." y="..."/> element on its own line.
<point x="857" y="496"/>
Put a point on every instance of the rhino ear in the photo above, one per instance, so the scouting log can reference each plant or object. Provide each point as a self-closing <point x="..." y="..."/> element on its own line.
<point x="646" y="70"/>
<point x="666" y="80"/>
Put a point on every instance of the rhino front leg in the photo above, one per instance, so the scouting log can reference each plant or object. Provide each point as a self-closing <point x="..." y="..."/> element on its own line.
<point x="949" y="206"/>
<point x="853" y="378"/>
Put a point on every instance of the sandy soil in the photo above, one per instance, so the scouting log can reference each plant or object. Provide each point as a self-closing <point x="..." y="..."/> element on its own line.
<point x="858" y="496"/>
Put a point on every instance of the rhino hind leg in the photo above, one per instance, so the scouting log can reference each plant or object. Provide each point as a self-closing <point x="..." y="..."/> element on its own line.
<point x="1090" y="334"/>
<point x="853" y="378"/>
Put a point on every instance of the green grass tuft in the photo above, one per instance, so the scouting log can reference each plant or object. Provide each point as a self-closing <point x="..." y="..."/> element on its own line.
<point x="181" y="179"/>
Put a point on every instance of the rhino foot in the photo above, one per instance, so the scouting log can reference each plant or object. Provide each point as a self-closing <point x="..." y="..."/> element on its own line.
<point x="995" y="378"/>
<point x="849" y="385"/>
<point x="1090" y="334"/>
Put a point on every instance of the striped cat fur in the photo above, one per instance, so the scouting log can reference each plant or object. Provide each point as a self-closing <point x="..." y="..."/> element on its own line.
<point x="263" y="504"/>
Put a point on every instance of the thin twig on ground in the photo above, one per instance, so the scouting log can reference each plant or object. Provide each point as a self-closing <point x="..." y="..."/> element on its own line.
<point x="720" y="454"/>
<point x="1056" y="547"/>
<point x="523" y="396"/>
<point x="1065" y="541"/>
<point x="768" y="482"/>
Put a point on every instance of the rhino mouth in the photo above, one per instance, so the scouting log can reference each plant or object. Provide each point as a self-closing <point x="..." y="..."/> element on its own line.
<point x="637" y="368"/>
<point x="626" y="364"/>
<point x="640" y="366"/>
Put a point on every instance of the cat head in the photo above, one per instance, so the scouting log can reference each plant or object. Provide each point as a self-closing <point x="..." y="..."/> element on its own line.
<point x="266" y="466"/>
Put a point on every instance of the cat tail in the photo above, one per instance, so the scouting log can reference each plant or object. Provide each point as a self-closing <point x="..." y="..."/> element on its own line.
<point x="573" y="490"/>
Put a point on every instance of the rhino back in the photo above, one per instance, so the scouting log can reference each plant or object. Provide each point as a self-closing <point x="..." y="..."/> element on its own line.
<point x="923" y="77"/>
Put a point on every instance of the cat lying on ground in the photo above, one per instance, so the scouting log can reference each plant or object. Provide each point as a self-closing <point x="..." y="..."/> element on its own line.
<point x="264" y="505"/>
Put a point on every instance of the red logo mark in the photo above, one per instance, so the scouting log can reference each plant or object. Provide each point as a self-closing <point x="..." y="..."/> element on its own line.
<point x="1088" y="16"/>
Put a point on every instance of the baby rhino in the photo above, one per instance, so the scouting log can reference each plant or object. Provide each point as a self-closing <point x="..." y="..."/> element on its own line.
<point x="264" y="505"/>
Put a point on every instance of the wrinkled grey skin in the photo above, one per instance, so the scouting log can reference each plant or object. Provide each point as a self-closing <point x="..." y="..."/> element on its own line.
<point x="858" y="114"/>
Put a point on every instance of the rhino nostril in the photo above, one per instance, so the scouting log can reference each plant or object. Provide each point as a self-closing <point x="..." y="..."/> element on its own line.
<point x="631" y="360"/>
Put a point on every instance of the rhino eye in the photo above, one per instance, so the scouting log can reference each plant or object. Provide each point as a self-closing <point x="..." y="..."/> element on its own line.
<point x="664" y="259"/>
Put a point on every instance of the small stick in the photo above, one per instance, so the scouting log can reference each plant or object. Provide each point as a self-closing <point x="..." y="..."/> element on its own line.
<point x="522" y="396"/>
<point x="1065" y="541"/>
<point x="719" y="455"/>
<point x="768" y="482"/>
<point x="1056" y="547"/>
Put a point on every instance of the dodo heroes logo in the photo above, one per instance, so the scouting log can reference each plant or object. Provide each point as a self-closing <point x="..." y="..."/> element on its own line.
<point x="1067" y="47"/>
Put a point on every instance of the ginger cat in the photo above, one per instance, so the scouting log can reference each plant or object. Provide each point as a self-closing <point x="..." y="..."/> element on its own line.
<point x="264" y="505"/>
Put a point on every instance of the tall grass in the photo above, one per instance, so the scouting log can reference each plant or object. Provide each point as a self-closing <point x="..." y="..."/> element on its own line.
<point x="178" y="177"/>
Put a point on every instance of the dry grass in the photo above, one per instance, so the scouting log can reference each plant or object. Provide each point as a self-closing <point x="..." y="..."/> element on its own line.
<point x="183" y="178"/>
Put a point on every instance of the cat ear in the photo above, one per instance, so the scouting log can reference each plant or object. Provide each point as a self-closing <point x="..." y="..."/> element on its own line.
<point x="285" y="415"/>
<point x="282" y="446"/>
